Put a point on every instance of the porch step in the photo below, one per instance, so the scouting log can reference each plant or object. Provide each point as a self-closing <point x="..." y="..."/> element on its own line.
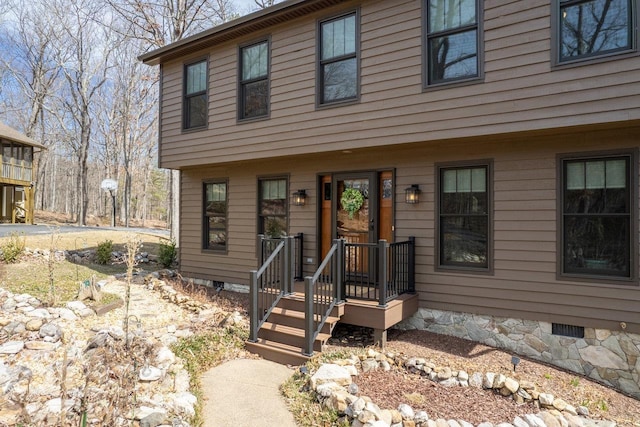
<point x="290" y="336"/>
<point x="277" y="352"/>
<point x="295" y="319"/>
<point x="281" y="337"/>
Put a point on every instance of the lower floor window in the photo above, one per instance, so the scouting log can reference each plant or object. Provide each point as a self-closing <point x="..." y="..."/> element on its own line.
<point x="596" y="216"/>
<point x="464" y="217"/>
<point x="215" y="215"/>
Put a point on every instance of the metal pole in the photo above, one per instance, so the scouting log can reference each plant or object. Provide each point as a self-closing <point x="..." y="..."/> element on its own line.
<point x="253" y="306"/>
<point x="308" y="317"/>
<point x="113" y="205"/>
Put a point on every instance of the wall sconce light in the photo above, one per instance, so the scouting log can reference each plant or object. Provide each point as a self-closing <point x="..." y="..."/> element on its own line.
<point x="299" y="198"/>
<point x="412" y="194"/>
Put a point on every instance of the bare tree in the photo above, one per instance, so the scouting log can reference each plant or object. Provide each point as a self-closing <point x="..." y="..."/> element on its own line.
<point x="84" y="59"/>
<point x="263" y="4"/>
<point x="166" y="21"/>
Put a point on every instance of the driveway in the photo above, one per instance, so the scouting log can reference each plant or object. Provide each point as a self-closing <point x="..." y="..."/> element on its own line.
<point x="32" y="230"/>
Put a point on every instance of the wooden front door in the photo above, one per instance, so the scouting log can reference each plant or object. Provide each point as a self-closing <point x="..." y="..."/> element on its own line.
<point x="357" y="207"/>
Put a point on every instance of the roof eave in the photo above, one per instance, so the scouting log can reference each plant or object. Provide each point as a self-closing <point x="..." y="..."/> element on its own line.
<point x="236" y="28"/>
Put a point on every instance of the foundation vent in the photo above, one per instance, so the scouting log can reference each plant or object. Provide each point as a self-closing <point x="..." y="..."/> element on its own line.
<point x="567" y="330"/>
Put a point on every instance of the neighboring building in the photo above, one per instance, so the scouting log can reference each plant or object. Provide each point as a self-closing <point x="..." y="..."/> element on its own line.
<point x="17" y="176"/>
<point x="502" y="135"/>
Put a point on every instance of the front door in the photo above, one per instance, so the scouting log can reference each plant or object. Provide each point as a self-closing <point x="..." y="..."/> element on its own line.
<point x="357" y="207"/>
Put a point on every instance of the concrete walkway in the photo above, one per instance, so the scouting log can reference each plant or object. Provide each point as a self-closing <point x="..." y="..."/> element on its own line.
<point x="244" y="393"/>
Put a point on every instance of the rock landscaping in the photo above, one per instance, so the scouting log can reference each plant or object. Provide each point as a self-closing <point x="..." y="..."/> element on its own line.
<point x="335" y="389"/>
<point x="67" y="365"/>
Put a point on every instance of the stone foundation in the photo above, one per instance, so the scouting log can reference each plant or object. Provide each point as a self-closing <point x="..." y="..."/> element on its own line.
<point x="610" y="357"/>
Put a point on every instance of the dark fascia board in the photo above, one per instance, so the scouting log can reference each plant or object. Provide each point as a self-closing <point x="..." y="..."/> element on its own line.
<point x="277" y="14"/>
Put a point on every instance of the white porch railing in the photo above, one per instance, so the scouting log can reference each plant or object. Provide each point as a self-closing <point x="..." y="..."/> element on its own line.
<point x="17" y="170"/>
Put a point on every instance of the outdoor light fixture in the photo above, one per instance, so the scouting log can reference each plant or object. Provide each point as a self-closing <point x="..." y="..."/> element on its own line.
<point x="514" y="361"/>
<point x="299" y="198"/>
<point x="412" y="194"/>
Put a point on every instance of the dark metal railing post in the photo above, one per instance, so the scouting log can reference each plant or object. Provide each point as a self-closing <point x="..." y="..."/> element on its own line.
<point x="339" y="276"/>
<point x="260" y="249"/>
<point x="284" y="266"/>
<point x="383" y="269"/>
<point x="412" y="265"/>
<point x="300" y="255"/>
<point x="253" y="306"/>
<point x="308" y="316"/>
<point x="289" y="267"/>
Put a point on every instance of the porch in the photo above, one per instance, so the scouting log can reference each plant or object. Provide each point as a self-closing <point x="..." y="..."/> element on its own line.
<point x="16" y="190"/>
<point x="362" y="284"/>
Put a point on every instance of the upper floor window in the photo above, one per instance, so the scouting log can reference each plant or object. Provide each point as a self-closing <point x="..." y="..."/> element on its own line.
<point x="254" y="80"/>
<point x="338" y="67"/>
<point x="272" y="207"/>
<point x="597" y="216"/>
<point x="464" y="222"/>
<point x="195" y="109"/>
<point x="452" y="40"/>
<point x="589" y="28"/>
<point x="215" y="215"/>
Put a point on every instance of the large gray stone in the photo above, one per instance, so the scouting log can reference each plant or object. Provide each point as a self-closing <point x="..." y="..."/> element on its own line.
<point x="150" y="373"/>
<point x="330" y="373"/>
<point x="406" y="412"/>
<point x="603" y="358"/>
<point x="11" y="347"/>
<point x="153" y="420"/>
<point x="50" y="332"/>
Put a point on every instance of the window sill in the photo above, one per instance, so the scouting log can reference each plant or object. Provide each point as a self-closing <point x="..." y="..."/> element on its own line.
<point x="596" y="59"/>
<point x="253" y="119"/>
<point x="464" y="270"/>
<point x="453" y="84"/>
<point x="215" y="251"/>
<point x="337" y="103"/>
<point x="598" y="280"/>
<point x="192" y="130"/>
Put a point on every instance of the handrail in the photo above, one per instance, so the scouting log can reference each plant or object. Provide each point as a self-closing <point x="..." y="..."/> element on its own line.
<point x="265" y="246"/>
<point x="323" y="291"/>
<point x="268" y="284"/>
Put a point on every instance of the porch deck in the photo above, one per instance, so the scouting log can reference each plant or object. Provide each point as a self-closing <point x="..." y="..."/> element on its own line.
<point x="290" y="320"/>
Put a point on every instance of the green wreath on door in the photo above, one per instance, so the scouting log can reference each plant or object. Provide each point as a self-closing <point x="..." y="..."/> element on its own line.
<point x="351" y="201"/>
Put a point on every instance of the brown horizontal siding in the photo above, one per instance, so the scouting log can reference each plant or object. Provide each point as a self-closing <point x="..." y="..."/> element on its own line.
<point x="524" y="281"/>
<point x="520" y="91"/>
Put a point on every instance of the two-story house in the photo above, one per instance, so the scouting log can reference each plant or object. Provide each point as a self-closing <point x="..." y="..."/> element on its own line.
<point x="467" y="166"/>
<point x="17" y="176"/>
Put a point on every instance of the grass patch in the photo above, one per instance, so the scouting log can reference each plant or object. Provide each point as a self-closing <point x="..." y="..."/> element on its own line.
<point x="32" y="275"/>
<point x="205" y="350"/>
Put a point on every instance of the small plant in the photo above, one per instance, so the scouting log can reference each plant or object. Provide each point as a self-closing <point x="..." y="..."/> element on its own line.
<point x="547" y="376"/>
<point x="167" y="252"/>
<point x="103" y="253"/>
<point x="13" y="248"/>
<point x="51" y="263"/>
<point x="602" y="405"/>
<point x="575" y="381"/>
<point x="133" y="244"/>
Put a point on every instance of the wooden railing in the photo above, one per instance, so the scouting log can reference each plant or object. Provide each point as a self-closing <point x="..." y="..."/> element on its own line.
<point x="322" y="292"/>
<point x="269" y="284"/>
<point x="16" y="170"/>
